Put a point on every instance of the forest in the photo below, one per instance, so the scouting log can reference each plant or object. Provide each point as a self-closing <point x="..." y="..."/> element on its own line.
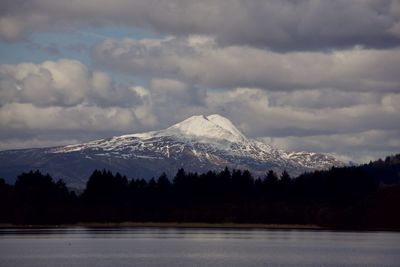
<point x="358" y="197"/>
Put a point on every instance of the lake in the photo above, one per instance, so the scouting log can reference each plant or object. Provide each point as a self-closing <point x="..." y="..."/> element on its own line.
<point x="196" y="247"/>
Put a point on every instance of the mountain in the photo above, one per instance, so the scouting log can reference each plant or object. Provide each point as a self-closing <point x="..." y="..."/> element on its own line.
<point x="199" y="143"/>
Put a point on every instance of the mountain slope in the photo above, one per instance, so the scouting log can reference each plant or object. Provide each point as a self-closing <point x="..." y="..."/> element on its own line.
<point x="199" y="143"/>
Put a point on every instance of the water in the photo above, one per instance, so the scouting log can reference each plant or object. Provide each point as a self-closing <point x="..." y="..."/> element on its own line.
<point x="196" y="247"/>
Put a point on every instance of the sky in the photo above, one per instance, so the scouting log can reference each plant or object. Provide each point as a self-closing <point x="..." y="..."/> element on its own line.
<point x="319" y="76"/>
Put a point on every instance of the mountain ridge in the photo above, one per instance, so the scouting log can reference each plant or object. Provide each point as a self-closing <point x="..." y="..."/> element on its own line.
<point x="199" y="143"/>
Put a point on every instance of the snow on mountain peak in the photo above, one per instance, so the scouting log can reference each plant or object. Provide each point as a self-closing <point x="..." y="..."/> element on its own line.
<point x="208" y="127"/>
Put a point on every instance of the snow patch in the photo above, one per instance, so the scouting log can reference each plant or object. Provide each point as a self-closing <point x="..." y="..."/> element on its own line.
<point x="202" y="128"/>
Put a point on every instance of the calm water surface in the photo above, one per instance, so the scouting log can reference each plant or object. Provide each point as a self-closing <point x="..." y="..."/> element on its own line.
<point x="196" y="247"/>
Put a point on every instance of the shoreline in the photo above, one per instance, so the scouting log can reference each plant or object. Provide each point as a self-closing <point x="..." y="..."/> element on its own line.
<point x="193" y="225"/>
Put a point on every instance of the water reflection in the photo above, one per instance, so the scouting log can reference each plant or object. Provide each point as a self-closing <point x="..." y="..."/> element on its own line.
<point x="196" y="247"/>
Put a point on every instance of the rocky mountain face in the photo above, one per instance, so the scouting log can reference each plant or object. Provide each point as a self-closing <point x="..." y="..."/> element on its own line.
<point x="199" y="143"/>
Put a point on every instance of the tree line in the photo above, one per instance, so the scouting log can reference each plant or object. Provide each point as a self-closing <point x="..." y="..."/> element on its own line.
<point x="366" y="196"/>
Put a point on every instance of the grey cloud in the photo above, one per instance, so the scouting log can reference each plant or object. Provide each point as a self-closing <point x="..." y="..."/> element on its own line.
<point x="324" y="98"/>
<point x="199" y="60"/>
<point x="175" y="92"/>
<point x="251" y="110"/>
<point x="282" y="25"/>
<point x="359" y="147"/>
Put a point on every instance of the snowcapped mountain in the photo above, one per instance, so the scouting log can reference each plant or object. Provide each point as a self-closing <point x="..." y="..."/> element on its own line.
<point x="199" y="143"/>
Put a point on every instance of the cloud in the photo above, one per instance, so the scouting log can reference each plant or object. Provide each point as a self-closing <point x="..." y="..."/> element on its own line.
<point x="359" y="147"/>
<point x="283" y="25"/>
<point x="26" y="125"/>
<point x="176" y="92"/>
<point x="58" y="101"/>
<point x="61" y="83"/>
<point x="199" y="60"/>
<point x="22" y="122"/>
<point x="324" y="98"/>
<point x="65" y="118"/>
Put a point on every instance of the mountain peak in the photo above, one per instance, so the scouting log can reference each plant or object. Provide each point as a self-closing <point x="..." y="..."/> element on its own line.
<point x="214" y="127"/>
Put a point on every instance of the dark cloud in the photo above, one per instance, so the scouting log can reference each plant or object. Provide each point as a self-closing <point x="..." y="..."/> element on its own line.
<point x="282" y="25"/>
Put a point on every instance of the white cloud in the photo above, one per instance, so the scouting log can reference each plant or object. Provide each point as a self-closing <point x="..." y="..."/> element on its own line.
<point x="61" y="83"/>
<point x="140" y="91"/>
<point x="64" y="100"/>
<point x="29" y="117"/>
<point x="25" y="125"/>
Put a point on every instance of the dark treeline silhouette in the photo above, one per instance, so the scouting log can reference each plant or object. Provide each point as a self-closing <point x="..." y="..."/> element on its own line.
<point x="366" y="196"/>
